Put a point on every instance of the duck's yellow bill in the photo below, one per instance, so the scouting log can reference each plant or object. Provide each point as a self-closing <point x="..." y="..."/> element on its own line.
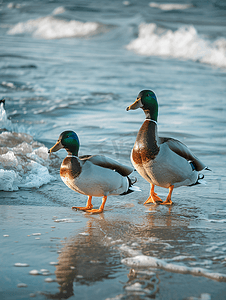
<point x="56" y="147"/>
<point x="137" y="104"/>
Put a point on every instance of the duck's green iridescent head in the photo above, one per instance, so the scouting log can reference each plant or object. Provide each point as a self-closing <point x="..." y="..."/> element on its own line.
<point x="67" y="140"/>
<point x="146" y="100"/>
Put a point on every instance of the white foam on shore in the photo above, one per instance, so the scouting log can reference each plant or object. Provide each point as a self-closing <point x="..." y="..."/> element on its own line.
<point x="150" y="261"/>
<point x="170" y="6"/>
<point x="50" y="27"/>
<point x="182" y="257"/>
<point x="21" y="285"/>
<point x="184" y="43"/>
<point x="43" y="272"/>
<point x="21" y="265"/>
<point x="217" y="221"/>
<point x="49" y="279"/>
<point x="23" y="161"/>
<point x="66" y="221"/>
<point x="34" y="272"/>
<point x="23" y="171"/>
<point x="129" y="250"/>
<point x="54" y="263"/>
<point x="84" y="233"/>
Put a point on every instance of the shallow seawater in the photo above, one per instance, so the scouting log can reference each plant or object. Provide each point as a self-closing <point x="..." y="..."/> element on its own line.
<point x="78" y="65"/>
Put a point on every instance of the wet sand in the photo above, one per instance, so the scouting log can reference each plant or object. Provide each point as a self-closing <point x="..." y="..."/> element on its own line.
<point x="64" y="254"/>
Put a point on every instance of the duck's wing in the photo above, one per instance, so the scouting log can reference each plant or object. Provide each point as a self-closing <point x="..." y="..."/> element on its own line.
<point x="183" y="151"/>
<point x="107" y="162"/>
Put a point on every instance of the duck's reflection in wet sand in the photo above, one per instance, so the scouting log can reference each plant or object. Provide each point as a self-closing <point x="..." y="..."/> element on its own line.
<point x="95" y="254"/>
<point x="85" y="259"/>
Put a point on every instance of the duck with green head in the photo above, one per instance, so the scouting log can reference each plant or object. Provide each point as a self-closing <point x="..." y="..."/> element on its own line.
<point x="92" y="175"/>
<point x="165" y="162"/>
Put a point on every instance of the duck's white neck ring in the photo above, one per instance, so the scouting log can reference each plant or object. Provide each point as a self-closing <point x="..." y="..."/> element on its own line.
<point x="71" y="155"/>
<point x="152" y="121"/>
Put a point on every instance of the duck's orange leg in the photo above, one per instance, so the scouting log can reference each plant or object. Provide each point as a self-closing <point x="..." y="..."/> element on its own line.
<point x="168" y="199"/>
<point x="153" y="198"/>
<point x="89" y="205"/>
<point x="101" y="208"/>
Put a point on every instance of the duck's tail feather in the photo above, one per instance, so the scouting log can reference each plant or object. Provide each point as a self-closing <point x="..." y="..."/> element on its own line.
<point x="132" y="181"/>
<point x="201" y="177"/>
<point x="135" y="189"/>
<point x="200" y="180"/>
<point x="207" y="168"/>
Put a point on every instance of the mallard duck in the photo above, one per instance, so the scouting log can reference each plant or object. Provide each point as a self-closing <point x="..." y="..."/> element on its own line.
<point x="165" y="162"/>
<point x="92" y="175"/>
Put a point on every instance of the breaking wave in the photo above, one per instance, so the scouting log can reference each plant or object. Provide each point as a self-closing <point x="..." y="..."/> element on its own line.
<point x="50" y="27"/>
<point x="184" y="43"/>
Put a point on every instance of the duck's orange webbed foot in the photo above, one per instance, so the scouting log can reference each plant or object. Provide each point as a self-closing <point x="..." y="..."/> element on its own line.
<point x="82" y="208"/>
<point x="88" y="206"/>
<point x="167" y="202"/>
<point x="168" y="199"/>
<point x="153" y="198"/>
<point x="95" y="211"/>
<point x="101" y="208"/>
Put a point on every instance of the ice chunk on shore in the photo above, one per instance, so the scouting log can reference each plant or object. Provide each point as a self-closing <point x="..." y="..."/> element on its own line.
<point x="149" y="261"/>
<point x="8" y="179"/>
<point x="23" y="162"/>
<point x="17" y="173"/>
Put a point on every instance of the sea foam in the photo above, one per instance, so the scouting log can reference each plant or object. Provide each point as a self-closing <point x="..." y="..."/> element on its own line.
<point x="50" y="27"/>
<point x="170" y="6"/>
<point x="150" y="261"/>
<point x="23" y="162"/>
<point x="21" y="171"/>
<point x="184" y="43"/>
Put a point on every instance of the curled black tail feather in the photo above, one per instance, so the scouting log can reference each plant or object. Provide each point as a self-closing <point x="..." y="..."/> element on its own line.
<point x="200" y="176"/>
<point x="131" y="181"/>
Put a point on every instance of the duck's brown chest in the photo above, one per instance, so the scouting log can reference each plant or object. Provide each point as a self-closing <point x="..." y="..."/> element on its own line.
<point x="70" y="168"/>
<point x="145" y="147"/>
